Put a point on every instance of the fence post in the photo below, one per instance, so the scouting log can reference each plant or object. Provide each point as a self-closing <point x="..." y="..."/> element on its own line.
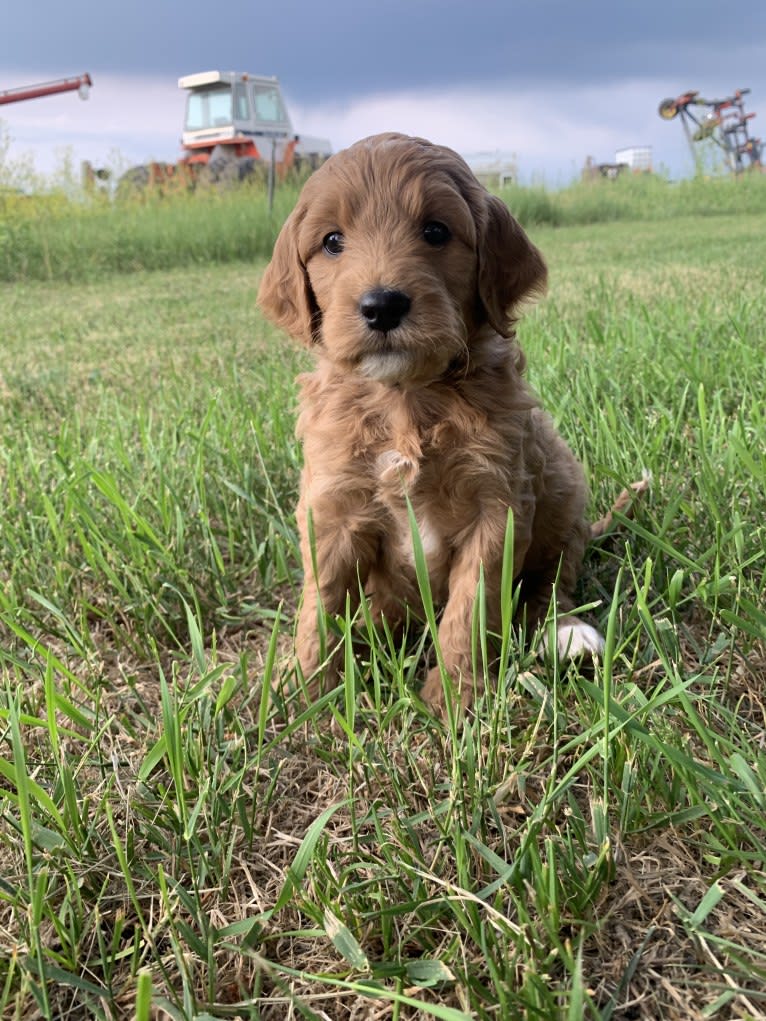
<point x="272" y="173"/>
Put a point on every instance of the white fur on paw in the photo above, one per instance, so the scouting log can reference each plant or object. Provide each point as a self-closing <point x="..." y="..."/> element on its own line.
<point x="575" y="638"/>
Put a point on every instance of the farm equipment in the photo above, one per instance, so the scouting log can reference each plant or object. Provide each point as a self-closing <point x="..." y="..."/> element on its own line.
<point x="236" y="125"/>
<point x="722" y="121"/>
<point x="81" y="84"/>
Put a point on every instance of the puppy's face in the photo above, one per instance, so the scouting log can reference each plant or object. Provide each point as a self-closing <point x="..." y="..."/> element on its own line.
<point x="393" y="257"/>
<point x="393" y="274"/>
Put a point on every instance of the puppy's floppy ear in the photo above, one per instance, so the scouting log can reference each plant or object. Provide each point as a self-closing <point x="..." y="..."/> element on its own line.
<point x="510" y="267"/>
<point x="285" y="294"/>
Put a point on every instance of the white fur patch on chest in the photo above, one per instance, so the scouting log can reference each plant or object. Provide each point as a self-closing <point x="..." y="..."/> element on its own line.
<point x="395" y="469"/>
<point x="397" y="474"/>
<point x="430" y="539"/>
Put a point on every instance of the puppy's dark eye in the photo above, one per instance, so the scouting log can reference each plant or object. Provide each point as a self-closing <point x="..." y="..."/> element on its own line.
<point x="436" y="234"/>
<point x="333" y="242"/>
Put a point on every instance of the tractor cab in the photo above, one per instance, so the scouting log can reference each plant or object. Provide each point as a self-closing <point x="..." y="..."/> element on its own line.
<point x="228" y="108"/>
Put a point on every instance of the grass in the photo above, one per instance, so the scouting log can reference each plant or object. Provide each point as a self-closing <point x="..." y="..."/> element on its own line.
<point x="65" y="234"/>
<point x="53" y="237"/>
<point x="637" y="198"/>
<point x="181" y="837"/>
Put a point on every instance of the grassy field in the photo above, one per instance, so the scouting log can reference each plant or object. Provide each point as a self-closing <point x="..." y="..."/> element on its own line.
<point x="180" y="837"/>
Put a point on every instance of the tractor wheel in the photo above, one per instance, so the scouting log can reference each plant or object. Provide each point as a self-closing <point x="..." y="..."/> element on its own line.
<point x="133" y="182"/>
<point x="248" y="168"/>
<point x="157" y="178"/>
<point x="304" y="165"/>
<point x="222" y="170"/>
<point x="228" y="173"/>
<point x="668" y="109"/>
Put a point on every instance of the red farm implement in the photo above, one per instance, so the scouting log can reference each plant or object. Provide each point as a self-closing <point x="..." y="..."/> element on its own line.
<point x="722" y="121"/>
<point x="81" y="85"/>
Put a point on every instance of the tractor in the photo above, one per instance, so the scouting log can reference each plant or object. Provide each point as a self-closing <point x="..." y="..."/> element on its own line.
<point x="236" y="125"/>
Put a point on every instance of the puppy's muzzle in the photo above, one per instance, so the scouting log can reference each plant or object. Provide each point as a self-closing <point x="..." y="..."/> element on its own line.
<point x="383" y="308"/>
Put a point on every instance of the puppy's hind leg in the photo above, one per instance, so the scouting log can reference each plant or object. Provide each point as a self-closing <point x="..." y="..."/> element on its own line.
<point x="574" y="637"/>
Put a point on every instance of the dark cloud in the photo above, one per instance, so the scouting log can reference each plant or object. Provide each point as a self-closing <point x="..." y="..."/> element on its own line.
<point x="350" y="47"/>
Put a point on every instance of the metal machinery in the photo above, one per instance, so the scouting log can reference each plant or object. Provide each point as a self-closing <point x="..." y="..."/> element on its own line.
<point x="235" y="123"/>
<point x="81" y="84"/>
<point x="723" y="121"/>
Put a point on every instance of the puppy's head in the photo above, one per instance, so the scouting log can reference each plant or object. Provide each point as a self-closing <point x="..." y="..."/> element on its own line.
<point x="392" y="259"/>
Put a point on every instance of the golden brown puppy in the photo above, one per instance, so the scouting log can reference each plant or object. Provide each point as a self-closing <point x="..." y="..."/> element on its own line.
<point x="403" y="275"/>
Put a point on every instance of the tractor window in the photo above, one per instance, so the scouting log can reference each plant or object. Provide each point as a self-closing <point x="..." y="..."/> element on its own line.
<point x="208" y="108"/>
<point x="241" y="106"/>
<point x="268" y="104"/>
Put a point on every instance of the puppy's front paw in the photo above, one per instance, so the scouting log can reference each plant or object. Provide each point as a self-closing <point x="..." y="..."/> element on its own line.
<point x="315" y="678"/>
<point x="574" y="638"/>
<point x="435" y="695"/>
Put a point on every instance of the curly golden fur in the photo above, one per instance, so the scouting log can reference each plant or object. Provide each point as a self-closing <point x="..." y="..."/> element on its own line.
<point x="404" y="276"/>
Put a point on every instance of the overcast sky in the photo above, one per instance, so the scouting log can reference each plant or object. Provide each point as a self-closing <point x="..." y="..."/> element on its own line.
<point x="550" y="81"/>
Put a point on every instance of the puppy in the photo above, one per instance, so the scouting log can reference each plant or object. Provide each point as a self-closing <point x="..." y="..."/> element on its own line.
<point x="404" y="277"/>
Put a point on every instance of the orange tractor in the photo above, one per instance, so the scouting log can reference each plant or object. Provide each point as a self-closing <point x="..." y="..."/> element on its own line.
<point x="235" y="124"/>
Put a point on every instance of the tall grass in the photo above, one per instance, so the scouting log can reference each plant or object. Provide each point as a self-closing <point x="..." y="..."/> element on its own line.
<point x="58" y="237"/>
<point x="52" y="237"/>
<point x="637" y="197"/>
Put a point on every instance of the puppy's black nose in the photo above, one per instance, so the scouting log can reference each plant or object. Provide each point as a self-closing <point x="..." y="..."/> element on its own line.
<point x="383" y="308"/>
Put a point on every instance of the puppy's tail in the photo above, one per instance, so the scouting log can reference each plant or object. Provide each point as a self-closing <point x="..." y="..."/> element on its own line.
<point x="622" y="505"/>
